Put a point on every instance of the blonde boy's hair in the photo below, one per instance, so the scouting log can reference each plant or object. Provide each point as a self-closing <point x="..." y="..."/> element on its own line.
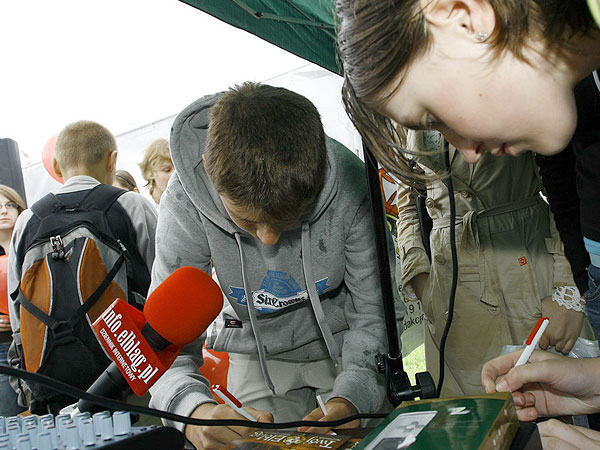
<point x="154" y="156"/>
<point x="83" y="144"/>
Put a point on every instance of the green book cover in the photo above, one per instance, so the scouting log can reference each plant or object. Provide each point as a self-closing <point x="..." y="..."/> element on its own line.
<point x="478" y="422"/>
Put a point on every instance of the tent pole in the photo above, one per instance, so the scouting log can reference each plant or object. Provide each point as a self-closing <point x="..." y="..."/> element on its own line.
<point x="398" y="384"/>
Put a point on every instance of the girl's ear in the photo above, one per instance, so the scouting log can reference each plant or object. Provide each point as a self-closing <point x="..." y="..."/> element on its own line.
<point x="472" y="19"/>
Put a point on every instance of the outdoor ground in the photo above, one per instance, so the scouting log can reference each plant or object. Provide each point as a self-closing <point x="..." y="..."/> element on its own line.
<point x="415" y="362"/>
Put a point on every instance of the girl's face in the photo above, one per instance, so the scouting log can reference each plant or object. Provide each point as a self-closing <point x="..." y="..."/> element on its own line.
<point x="8" y="213"/>
<point x="162" y="175"/>
<point x="479" y="103"/>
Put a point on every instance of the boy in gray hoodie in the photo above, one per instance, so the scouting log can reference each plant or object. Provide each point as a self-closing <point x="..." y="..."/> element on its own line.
<point x="282" y="212"/>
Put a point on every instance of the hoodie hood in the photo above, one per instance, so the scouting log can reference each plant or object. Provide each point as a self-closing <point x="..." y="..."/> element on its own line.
<point x="188" y="140"/>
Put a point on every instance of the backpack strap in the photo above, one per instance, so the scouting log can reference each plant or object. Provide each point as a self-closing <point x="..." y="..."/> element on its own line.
<point x="92" y="299"/>
<point x="101" y="197"/>
<point x="46" y="206"/>
<point x="36" y="312"/>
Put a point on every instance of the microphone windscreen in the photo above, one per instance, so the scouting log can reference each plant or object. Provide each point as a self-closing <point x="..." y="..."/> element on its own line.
<point x="182" y="307"/>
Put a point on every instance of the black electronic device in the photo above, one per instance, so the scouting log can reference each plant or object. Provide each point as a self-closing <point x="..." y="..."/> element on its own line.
<point x="102" y="430"/>
<point x="10" y="167"/>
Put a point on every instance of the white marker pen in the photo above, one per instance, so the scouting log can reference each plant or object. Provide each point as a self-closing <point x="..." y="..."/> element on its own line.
<point x="532" y="340"/>
<point x="231" y="401"/>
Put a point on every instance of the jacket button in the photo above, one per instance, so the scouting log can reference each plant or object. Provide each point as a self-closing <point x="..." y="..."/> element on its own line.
<point x="440" y="259"/>
<point x="465" y="194"/>
<point x="493" y="310"/>
<point x="429" y="203"/>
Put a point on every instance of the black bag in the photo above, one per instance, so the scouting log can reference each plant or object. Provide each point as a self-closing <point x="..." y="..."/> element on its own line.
<point x="73" y="268"/>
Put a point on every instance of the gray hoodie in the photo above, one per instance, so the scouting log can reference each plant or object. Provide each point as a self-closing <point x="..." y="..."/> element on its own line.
<point x="315" y="294"/>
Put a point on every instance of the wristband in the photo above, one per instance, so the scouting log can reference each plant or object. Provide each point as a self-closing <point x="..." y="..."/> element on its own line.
<point x="569" y="297"/>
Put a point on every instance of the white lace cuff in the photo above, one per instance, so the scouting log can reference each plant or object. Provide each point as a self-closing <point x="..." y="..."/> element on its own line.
<point x="569" y="297"/>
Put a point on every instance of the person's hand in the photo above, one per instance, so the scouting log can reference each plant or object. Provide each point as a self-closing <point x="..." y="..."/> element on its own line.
<point x="557" y="435"/>
<point x="564" y="327"/>
<point x="549" y="385"/>
<point x="209" y="438"/>
<point x="418" y="284"/>
<point x="4" y="323"/>
<point x="337" y="408"/>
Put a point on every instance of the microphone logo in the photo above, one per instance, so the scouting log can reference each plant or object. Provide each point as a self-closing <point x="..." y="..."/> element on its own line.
<point x="119" y="330"/>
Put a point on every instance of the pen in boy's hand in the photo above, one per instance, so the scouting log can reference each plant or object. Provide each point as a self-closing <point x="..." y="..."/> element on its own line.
<point x="324" y="411"/>
<point x="231" y="401"/>
<point x="322" y="405"/>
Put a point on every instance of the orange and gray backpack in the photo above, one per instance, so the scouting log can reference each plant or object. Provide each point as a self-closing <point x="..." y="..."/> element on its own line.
<point x="78" y="254"/>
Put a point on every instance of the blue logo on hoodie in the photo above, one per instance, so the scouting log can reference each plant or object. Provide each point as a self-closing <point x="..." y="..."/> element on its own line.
<point x="277" y="291"/>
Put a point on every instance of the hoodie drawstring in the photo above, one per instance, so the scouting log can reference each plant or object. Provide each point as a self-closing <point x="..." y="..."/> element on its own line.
<point x="315" y="301"/>
<point x="253" y="320"/>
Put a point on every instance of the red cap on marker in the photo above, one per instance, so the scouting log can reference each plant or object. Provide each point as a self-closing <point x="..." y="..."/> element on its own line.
<point x="535" y="330"/>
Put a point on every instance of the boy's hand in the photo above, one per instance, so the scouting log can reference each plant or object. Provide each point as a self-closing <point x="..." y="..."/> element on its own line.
<point x="564" y="327"/>
<point x="337" y="408"/>
<point x="210" y="438"/>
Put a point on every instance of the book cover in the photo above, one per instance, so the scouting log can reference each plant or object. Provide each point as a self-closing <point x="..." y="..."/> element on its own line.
<point x="478" y="422"/>
<point x="291" y="440"/>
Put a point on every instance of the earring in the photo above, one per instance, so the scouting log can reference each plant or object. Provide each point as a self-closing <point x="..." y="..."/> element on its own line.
<point x="482" y="35"/>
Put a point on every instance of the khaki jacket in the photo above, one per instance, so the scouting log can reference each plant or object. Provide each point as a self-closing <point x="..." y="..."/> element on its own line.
<point x="509" y="256"/>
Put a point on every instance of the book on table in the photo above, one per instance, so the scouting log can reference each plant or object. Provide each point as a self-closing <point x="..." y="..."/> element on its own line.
<point x="478" y="422"/>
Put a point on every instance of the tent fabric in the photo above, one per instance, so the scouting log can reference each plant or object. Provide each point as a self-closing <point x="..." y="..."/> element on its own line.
<point x="303" y="27"/>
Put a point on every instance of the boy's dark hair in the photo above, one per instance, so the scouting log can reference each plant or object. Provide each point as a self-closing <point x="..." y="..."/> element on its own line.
<point x="266" y="150"/>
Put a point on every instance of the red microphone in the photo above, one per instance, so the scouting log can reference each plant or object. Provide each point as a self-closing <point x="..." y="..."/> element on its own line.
<point x="144" y="345"/>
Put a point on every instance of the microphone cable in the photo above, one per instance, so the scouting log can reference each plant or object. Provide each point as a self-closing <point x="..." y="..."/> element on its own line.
<point x="451" y="300"/>
<point x="117" y="405"/>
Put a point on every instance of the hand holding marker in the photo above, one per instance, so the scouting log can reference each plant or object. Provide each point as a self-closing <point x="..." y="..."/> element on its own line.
<point x="324" y="410"/>
<point x="231" y="401"/>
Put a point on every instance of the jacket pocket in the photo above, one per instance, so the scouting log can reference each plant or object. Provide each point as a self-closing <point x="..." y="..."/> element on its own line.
<point x="469" y="278"/>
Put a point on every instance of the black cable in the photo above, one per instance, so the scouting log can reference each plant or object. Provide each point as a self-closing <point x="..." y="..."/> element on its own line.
<point x="117" y="405"/>
<point x="450" y="186"/>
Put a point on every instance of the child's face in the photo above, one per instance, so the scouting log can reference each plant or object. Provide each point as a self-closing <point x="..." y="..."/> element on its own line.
<point x="248" y="220"/>
<point x="8" y="214"/>
<point x="162" y="175"/>
<point x="479" y="104"/>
